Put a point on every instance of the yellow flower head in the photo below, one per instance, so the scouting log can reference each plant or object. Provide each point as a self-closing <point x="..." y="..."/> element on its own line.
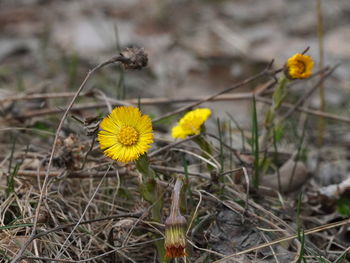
<point x="125" y="134"/>
<point x="299" y="66"/>
<point x="191" y="123"/>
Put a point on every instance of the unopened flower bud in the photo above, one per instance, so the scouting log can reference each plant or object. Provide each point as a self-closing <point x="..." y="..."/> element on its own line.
<point x="175" y="237"/>
<point x="299" y="66"/>
<point x="175" y="233"/>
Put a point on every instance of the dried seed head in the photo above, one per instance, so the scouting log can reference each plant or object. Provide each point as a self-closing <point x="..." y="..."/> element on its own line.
<point x="133" y="58"/>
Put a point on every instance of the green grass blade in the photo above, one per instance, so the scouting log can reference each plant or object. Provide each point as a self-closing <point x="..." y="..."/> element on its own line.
<point x="255" y="145"/>
<point x="15" y="226"/>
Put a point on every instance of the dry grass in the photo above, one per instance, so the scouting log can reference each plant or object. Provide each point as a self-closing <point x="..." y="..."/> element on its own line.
<point x="74" y="205"/>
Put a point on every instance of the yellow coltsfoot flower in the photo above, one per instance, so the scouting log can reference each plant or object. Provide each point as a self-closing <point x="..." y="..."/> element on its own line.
<point x="191" y="123"/>
<point x="125" y="134"/>
<point x="299" y="66"/>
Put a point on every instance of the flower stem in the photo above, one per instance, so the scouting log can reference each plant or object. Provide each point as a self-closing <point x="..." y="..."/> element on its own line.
<point x="175" y="204"/>
<point x="278" y="98"/>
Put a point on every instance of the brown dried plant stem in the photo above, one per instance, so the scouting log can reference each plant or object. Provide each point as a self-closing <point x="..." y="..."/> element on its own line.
<point x="155" y="101"/>
<point x="91" y="93"/>
<point x="45" y="183"/>
<point x="147" y="101"/>
<point x="324" y="73"/>
<point x="172" y="145"/>
<point x="265" y="72"/>
<point x="42" y="96"/>
<point x="99" y="174"/>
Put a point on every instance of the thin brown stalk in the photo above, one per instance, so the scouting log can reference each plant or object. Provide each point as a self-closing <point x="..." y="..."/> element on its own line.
<point x="155" y="101"/>
<point x="265" y="72"/>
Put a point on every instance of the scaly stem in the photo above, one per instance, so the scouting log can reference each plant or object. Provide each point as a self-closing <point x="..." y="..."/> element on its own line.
<point x="175" y="204"/>
<point x="278" y="97"/>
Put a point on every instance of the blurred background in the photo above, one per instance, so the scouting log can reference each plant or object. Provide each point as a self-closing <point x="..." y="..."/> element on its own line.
<point x="195" y="47"/>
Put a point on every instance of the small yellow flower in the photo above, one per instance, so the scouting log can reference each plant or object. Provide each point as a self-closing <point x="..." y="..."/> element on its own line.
<point x="299" y="66"/>
<point x="191" y="123"/>
<point x="125" y="134"/>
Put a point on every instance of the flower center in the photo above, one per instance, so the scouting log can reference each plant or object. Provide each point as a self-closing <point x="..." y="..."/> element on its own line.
<point x="128" y="136"/>
<point x="301" y="66"/>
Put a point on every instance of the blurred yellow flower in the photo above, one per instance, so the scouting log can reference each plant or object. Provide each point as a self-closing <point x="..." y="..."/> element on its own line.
<point x="191" y="123"/>
<point x="125" y="134"/>
<point x="299" y="66"/>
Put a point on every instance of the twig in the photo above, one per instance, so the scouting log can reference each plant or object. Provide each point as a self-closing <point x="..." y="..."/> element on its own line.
<point x="113" y="101"/>
<point x="271" y="248"/>
<point x="211" y="97"/>
<point x="235" y="152"/>
<point x="144" y="101"/>
<point x="195" y="212"/>
<point x="169" y="146"/>
<point x="156" y="101"/>
<point x="204" y="249"/>
<point x="43" y="96"/>
<point x="74" y="174"/>
<point x="108" y="104"/>
<point x="182" y="171"/>
<point x="211" y="160"/>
